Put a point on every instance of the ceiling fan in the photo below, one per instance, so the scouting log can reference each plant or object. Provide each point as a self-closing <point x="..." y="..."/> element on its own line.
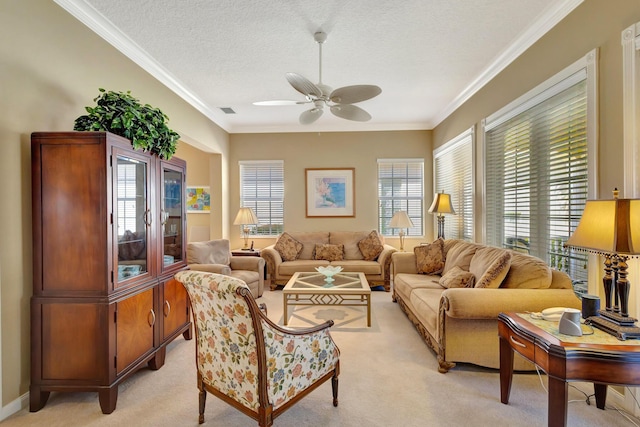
<point x="339" y="101"/>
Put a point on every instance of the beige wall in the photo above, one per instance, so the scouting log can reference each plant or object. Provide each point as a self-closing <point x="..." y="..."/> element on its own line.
<point x="359" y="150"/>
<point x="593" y="24"/>
<point x="51" y="67"/>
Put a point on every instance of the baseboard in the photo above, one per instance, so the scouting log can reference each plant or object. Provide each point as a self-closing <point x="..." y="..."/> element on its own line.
<point x="15" y="406"/>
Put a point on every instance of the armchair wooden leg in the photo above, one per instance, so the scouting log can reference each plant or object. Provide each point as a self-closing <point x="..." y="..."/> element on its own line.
<point x="334" y="388"/>
<point x="203" y="400"/>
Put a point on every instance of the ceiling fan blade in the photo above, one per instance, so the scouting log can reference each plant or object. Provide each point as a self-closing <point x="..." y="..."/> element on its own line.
<point x="350" y="112"/>
<point x="279" y="102"/>
<point x="353" y="94"/>
<point x="310" y="116"/>
<point x="303" y="85"/>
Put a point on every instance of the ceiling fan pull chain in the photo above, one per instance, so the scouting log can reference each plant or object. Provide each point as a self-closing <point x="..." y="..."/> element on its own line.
<point x="320" y="63"/>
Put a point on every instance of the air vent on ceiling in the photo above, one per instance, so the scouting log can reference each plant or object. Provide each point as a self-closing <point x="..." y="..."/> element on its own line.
<point x="227" y="110"/>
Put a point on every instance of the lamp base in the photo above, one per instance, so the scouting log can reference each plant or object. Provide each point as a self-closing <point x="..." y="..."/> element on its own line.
<point x="622" y="332"/>
<point x="617" y="318"/>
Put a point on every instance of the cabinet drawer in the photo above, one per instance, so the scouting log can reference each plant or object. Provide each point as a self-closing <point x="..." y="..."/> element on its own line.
<point x="521" y="344"/>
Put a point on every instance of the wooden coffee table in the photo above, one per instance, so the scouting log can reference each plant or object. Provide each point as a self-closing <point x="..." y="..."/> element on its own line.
<point x="599" y="358"/>
<point x="307" y="288"/>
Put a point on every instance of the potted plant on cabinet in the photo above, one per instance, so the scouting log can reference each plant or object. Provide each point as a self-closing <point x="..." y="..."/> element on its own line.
<point x="122" y="114"/>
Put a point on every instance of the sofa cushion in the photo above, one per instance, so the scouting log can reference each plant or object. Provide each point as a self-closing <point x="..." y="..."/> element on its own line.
<point x="426" y="304"/>
<point x="329" y="252"/>
<point x="490" y="266"/>
<point x="309" y="240"/>
<point x="370" y="246"/>
<point x="457" y="278"/>
<point x="371" y="268"/>
<point x="292" y="267"/>
<point x="350" y="241"/>
<point x="459" y="255"/>
<point x="527" y="272"/>
<point x="288" y="247"/>
<point x="211" y="252"/>
<point x="430" y="258"/>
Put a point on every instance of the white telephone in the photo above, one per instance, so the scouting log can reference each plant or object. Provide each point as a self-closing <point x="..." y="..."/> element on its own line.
<point x="552" y="314"/>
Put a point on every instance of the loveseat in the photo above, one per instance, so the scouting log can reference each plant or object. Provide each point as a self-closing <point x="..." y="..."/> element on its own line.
<point x="453" y="291"/>
<point x="354" y="251"/>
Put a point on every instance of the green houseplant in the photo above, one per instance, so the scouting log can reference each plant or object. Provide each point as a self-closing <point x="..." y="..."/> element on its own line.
<point x="122" y="114"/>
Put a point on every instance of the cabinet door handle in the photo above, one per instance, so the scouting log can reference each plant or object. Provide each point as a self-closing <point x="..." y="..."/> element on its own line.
<point x="518" y="343"/>
<point x="167" y="308"/>
<point x="151" y="318"/>
<point x="148" y="219"/>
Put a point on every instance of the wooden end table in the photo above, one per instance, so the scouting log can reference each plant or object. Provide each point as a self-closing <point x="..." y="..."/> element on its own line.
<point x="599" y="358"/>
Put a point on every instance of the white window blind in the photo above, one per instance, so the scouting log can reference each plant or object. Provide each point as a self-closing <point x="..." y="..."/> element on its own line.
<point x="537" y="175"/>
<point x="453" y="174"/>
<point x="400" y="188"/>
<point x="127" y="197"/>
<point x="262" y="188"/>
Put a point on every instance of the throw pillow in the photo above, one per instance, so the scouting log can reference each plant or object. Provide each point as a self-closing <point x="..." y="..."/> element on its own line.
<point x="430" y="258"/>
<point x="329" y="252"/>
<point x="370" y="246"/>
<point x="490" y="266"/>
<point x="288" y="247"/>
<point x="457" y="278"/>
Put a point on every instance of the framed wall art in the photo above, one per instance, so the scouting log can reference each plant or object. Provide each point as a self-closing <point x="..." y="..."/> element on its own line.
<point x="330" y="192"/>
<point x="198" y="200"/>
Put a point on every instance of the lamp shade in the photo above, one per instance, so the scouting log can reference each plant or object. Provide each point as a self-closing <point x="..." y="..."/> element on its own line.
<point x="400" y="219"/>
<point x="245" y="216"/>
<point x="442" y="204"/>
<point x="609" y="227"/>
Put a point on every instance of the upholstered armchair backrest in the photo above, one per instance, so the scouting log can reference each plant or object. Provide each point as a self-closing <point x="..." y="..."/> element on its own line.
<point x="211" y="252"/>
<point x="226" y="355"/>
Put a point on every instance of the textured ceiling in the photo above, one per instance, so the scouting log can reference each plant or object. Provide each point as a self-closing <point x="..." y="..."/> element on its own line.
<point x="428" y="56"/>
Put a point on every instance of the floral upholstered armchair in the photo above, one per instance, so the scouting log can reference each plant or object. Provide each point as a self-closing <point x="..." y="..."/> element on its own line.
<point x="248" y="361"/>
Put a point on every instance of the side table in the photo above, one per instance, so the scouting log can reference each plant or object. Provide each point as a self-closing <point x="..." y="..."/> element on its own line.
<point x="599" y="358"/>
<point x="253" y="252"/>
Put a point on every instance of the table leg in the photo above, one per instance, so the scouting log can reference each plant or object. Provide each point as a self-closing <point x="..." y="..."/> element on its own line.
<point x="558" y="393"/>
<point x="506" y="370"/>
<point x="284" y="306"/>
<point x="368" y="297"/>
<point x="601" y="394"/>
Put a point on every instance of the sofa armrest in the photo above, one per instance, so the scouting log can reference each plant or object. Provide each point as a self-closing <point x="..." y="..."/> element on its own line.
<point x="249" y="263"/>
<point x="404" y="262"/>
<point x="272" y="259"/>
<point x="475" y="303"/>
<point x="211" y="268"/>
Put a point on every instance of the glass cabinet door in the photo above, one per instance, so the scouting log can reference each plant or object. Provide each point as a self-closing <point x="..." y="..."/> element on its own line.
<point x="172" y="216"/>
<point x="132" y="217"/>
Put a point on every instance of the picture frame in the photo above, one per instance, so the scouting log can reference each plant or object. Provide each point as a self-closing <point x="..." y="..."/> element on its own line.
<point x="198" y="199"/>
<point x="330" y="192"/>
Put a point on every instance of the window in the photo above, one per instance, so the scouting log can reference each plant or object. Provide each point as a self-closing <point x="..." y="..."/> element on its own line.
<point x="453" y="174"/>
<point x="400" y="188"/>
<point x="537" y="173"/>
<point x="262" y="188"/>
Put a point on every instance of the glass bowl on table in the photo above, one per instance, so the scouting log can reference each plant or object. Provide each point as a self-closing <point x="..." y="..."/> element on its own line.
<point x="328" y="272"/>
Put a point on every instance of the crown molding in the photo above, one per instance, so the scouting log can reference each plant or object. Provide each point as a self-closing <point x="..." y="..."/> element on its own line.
<point x="90" y="17"/>
<point x="546" y="22"/>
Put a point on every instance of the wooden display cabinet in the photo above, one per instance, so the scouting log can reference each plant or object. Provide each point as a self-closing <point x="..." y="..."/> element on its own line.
<point x="108" y="236"/>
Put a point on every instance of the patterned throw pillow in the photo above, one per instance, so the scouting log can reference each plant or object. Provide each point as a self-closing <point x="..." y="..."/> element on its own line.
<point x="490" y="266"/>
<point x="329" y="252"/>
<point x="371" y="246"/>
<point x="430" y="258"/>
<point x="457" y="278"/>
<point x="288" y="247"/>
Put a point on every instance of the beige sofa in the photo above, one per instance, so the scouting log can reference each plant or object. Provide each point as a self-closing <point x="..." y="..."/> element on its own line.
<point x="460" y="323"/>
<point x="214" y="256"/>
<point x="376" y="269"/>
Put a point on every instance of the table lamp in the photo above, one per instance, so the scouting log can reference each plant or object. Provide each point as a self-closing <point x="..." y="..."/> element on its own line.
<point x="401" y="220"/>
<point x="611" y="228"/>
<point x="441" y="205"/>
<point x="246" y="217"/>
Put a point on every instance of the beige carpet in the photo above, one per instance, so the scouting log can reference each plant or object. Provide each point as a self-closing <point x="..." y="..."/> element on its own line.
<point x="389" y="377"/>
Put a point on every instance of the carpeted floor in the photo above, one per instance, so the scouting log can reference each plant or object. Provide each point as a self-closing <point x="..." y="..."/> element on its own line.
<point x="388" y="377"/>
